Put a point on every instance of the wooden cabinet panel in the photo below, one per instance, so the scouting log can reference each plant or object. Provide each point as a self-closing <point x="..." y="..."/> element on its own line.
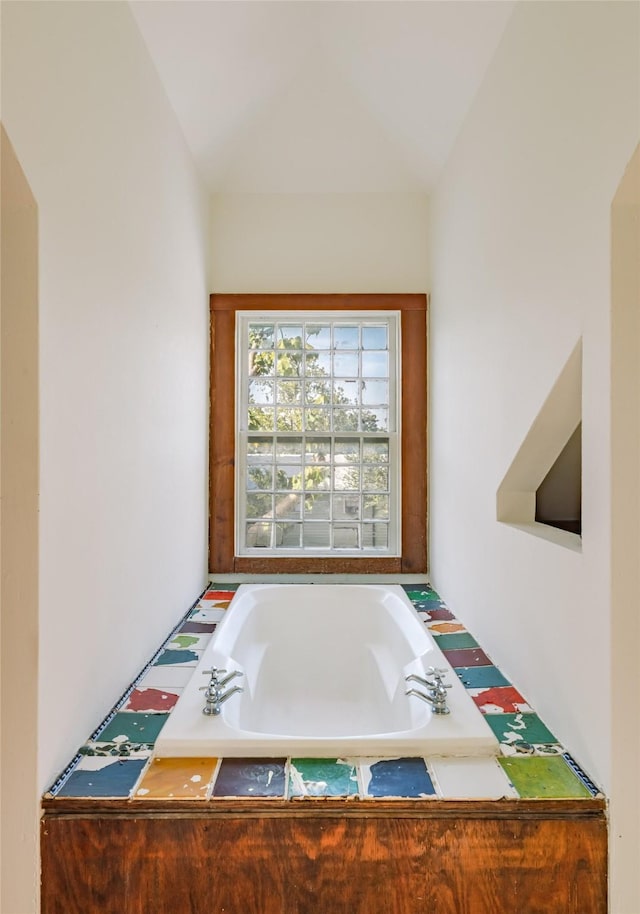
<point x="187" y="864"/>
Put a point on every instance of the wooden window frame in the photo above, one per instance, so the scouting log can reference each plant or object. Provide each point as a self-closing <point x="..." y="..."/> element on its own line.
<point x="222" y="432"/>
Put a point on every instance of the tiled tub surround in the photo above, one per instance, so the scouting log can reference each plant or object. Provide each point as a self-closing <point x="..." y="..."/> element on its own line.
<point x="117" y="761"/>
<point x="310" y="692"/>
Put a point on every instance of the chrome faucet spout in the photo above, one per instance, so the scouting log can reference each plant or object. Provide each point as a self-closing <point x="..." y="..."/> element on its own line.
<point x="223" y="682"/>
<point x="222" y="698"/>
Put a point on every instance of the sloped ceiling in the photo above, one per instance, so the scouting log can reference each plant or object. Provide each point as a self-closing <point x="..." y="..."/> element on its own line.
<point x="303" y="96"/>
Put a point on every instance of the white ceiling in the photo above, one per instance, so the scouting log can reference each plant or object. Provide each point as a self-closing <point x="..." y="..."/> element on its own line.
<point x="308" y="96"/>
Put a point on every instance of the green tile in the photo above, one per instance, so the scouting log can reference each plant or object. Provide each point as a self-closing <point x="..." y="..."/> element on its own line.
<point x="322" y="777"/>
<point x="456" y="641"/>
<point x="543" y="778"/>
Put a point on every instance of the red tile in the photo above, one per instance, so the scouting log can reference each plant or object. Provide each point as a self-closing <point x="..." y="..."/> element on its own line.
<point x="472" y="656"/>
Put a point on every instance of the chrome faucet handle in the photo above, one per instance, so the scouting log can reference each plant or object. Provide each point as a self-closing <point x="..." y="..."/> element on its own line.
<point x="437" y="671"/>
<point x="213" y="672"/>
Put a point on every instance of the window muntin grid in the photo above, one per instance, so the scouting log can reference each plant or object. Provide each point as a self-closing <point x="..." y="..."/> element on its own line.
<point x="318" y="437"/>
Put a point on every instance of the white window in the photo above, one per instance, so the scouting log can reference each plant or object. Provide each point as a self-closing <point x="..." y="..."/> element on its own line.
<point x="317" y="433"/>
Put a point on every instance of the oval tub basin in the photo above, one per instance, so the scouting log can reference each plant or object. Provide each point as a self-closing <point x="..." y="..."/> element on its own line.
<point x="324" y="670"/>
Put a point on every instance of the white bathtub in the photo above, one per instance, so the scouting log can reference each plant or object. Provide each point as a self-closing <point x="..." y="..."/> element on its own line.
<point x="324" y="669"/>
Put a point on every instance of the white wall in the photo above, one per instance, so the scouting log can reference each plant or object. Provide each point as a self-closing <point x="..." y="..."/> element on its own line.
<point x="19" y="800"/>
<point x="521" y="269"/>
<point x="123" y="354"/>
<point x="319" y="242"/>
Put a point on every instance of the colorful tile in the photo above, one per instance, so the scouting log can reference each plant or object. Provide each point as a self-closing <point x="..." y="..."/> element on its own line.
<point x="471" y="656"/>
<point x="499" y="700"/>
<point x="470" y="779"/>
<point x="130" y="727"/>
<point x="543" y="778"/>
<point x="422" y="593"/>
<point x="166" y="677"/>
<point x="456" y="641"/>
<point x="172" y="657"/>
<point x="510" y="750"/>
<point x="249" y="777"/>
<point x="435" y="613"/>
<point x="400" y="777"/>
<point x="152" y="700"/>
<point x="177" y="778"/>
<point x="184" y="641"/>
<point x="527" y="728"/>
<point x="102" y="777"/>
<point x="227" y="593"/>
<point x="445" y="628"/>
<point x="119" y="750"/>
<point x="480" y="677"/>
<point x="200" y="628"/>
<point x="322" y="777"/>
<point x="206" y="615"/>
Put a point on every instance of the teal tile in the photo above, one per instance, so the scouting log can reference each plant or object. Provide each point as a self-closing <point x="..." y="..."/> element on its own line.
<point x="322" y="777"/>
<point x="480" y="677"/>
<point x="131" y="727"/>
<point x="515" y="728"/>
<point x="103" y="777"/>
<point x="456" y="641"/>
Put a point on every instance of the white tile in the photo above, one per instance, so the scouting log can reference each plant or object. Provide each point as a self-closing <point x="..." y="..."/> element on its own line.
<point x="206" y="615"/>
<point x="164" y="677"/>
<point x="470" y="779"/>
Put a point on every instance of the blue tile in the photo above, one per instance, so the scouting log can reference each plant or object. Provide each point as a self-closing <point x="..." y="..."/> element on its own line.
<point x="398" y="777"/>
<point x="250" y="777"/>
<point x="114" y="779"/>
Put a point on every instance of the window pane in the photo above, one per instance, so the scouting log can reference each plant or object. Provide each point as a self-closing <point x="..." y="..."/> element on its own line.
<point x="289" y="391"/>
<point x="288" y="477"/>
<point x="376" y="506"/>
<point x="259" y="477"/>
<point x="317" y="450"/>
<point x="289" y="336"/>
<point x="316" y="477"/>
<point x="261" y="419"/>
<point x="346" y="536"/>
<point x="318" y="336"/>
<point x="317" y="535"/>
<point x="346" y="478"/>
<point x="289" y="364"/>
<point x="375" y="420"/>
<point x="260" y="391"/>
<point x="317" y="392"/>
<point x="259" y="505"/>
<point x="375" y="479"/>
<point x="375" y="393"/>
<point x="317" y="505"/>
<point x="374" y="337"/>
<point x="345" y="364"/>
<point x="288" y="505"/>
<point x="288" y="536"/>
<point x="261" y="336"/>
<point x="289" y="420"/>
<point x="291" y="448"/>
<point x="345" y="420"/>
<point x="346" y="507"/>
<point x="345" y="337"/>
<point x="375" y="365"/>
<point x="318" y="420"/>
<point x="261" y="363"/>
<point x="346" y="392"/>
<point x="318" y="364"/>
<point x="375" y="536"/>
<point x="375" y="450"/>
<point x="259" y="447"/>
<point x="346" y="450"/>
<point x="258" y="535"/>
